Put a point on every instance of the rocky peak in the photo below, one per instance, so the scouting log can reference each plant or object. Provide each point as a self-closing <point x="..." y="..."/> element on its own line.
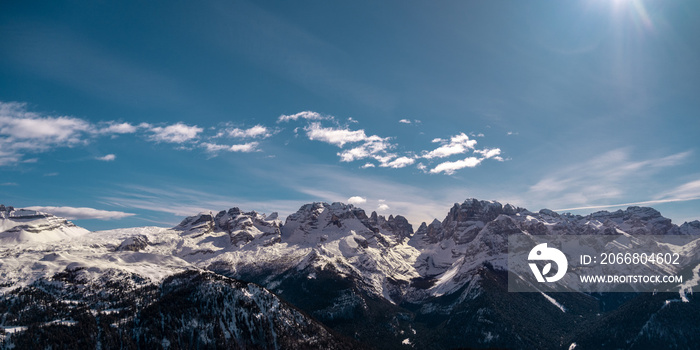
<point x="690" y="228"/>
<point x="474" y="210"/>
<point x="338" y="219"/>
<point x="636" y="220"/>
<point x="643" y="213"/>
<point x="202" y="222"/>
<point x="430" y="233"/>
<point x="242" y="227"/>
<point x="549" y="212"/>
<point x="396" y="225"/>
<point x="314" y="222"/>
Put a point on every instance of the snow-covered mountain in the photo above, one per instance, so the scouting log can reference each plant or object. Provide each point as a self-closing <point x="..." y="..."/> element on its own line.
<point x="370" y="278"/>
<point x="29" y="226"/>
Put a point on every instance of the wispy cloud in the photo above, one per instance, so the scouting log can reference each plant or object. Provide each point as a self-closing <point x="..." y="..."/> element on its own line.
<point x="405" y="121"/>
<point x="687" y="191"/>
<point x="107" y="158"/>
<point x="72" y="213"/>
<point x="181" y="202"/>
<point x="605" y="178"/>
<point x="621" y="205"/>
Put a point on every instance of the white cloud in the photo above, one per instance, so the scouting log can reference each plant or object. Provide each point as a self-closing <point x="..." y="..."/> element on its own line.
<point x="405" y="121"/>
<point x="421" y="167"/>
<point x="176" y="133"/>
<point x="107" y="158"/>
<point x="398" y="163"/>
<point x="382" y="207"/>
<point x="355" y="200"/>
<point x="374" y="148"/>
<point x="446" y="151"/>
<point x="24" y="132"/>
<point x="449" y="168"/>
<point x="336" y="136"/>
<point x="308" y="115"/>
<point x="438" y="140"/>
<point x="118" y="128"/>
<point x="458" y="144"/>
<point x="353" y="154"/>
<point x="17" y="123"/>
<point x="489" y="152"/>
<point x="253" y="132"/>
<point x="72" y="213"/>
<point x="244" y="148"/>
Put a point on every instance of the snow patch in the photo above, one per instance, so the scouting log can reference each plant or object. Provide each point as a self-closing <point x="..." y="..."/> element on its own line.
<point x="554" y="302"/>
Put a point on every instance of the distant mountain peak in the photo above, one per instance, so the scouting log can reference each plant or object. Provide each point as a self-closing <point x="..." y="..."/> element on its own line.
<point x="23" y="226"/>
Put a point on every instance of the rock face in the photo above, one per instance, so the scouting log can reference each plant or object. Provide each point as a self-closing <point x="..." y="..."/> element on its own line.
<point x="134" y="244"/>
<point x="367" y="277"/>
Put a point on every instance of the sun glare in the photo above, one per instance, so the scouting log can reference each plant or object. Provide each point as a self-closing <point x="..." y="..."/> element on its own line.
<point x="634" y="10"/>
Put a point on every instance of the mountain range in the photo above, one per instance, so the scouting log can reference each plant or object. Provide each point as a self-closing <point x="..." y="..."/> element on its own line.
<point x="329" y="277"/>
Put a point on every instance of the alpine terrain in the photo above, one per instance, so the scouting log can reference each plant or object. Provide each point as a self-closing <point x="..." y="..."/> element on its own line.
<point x="330" y="276"/>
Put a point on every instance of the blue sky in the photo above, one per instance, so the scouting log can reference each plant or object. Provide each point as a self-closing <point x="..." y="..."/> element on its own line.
<point x="133" y="113"/>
